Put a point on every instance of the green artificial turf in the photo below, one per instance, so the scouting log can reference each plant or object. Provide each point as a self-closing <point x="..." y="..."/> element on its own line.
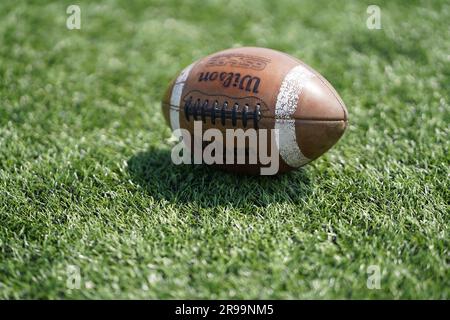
<point x="86" y="179"/>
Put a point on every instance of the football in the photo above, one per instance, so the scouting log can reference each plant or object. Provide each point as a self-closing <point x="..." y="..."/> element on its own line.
<point x="261" y="90"/>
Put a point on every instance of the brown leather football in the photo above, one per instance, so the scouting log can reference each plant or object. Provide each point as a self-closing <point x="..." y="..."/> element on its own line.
<point x="259" y="88"/>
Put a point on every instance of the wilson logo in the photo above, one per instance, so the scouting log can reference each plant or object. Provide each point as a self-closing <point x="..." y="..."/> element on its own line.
<point x="247" y="82"/>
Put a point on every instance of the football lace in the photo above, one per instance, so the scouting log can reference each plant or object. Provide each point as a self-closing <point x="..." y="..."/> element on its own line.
<point x="203" y="110"/>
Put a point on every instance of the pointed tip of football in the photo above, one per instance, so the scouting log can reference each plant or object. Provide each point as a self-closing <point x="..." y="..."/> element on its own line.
<point x="321" y="117"/>
<point x="319" y="101"/>
<point x="315" y="137"/>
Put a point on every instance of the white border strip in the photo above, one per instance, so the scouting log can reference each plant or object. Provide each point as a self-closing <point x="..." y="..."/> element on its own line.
<point x="175" y="97"/>
<point x="287" y="102"/>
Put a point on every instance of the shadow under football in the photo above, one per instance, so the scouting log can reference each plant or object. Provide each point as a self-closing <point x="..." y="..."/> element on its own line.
<point x="208" y="187"/>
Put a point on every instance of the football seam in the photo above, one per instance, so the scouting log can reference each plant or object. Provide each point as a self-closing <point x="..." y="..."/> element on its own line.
<point x="324" y="81"/>
<point x="177" y="108"/>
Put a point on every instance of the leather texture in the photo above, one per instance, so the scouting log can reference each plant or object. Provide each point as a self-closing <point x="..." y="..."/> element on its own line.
<point x="232" y="88"/>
